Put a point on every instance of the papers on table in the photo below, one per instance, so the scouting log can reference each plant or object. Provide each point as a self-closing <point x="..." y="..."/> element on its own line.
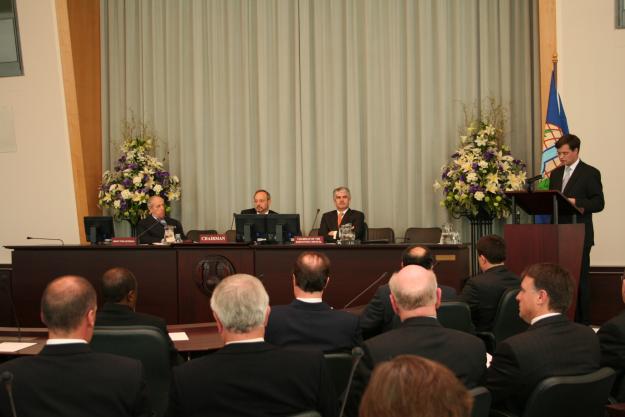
<point x="178" y="336"/>
<point x="14" y="346"/>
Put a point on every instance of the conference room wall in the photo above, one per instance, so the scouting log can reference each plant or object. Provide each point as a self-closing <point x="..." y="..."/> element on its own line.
<point x="590" y="70"/>
<point x="37" y="187"/>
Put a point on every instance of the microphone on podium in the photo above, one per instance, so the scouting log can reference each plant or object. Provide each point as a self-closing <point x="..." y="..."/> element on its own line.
<point x="315" y="220"/>
<point x="7" y="381"/>
<point x="150" y="228"/>
<point x="357" y="354"/>
<point x="378" y="279"/>
<point x="47" y="238"/>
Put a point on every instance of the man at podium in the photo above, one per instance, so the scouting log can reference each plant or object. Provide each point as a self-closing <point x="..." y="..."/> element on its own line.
<point x="581" y="184"/>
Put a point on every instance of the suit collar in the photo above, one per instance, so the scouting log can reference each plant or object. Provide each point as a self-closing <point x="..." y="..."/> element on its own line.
<point x="242" y="348"/>
<point x="69" y="349"/>
<point x="301" y="305"/>
<point x="116" y="307"/>
<point x="421" y="321"/>
<point x="560" y="318"/>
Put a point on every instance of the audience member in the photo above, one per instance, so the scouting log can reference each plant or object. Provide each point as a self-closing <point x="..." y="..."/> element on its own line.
<point x="120" y="293"/>
<point x="415" y="298"/>
<point x="409" y="386"/>
<point x="249" y="377"/>
<point x="551" y="346"/>
<point x="483" y="292"/>
<point x="262" y="201"/>
<point x="308" y="321"/>
<point x="67" y="378"/>
<point x="379" y="316"/>
<point x="612" y="343"/>
<point x="330" y="221"/>
<point x="152" y="228"/>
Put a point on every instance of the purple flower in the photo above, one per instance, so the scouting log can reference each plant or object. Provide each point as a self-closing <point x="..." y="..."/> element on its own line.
<point x="488" y="155"/>
<point x="133" y="166"/>
<point x="127" y="182"/>
<point x="475" y="166"/>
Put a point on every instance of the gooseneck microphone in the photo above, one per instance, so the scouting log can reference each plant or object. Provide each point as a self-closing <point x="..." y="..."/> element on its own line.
<point x="380" y="278"/>
<point x="47" y="238"/>
<point x="233" y="217"/>
<point x="357" y="354"/>
<point x="150" y="228"/>
<point x="315" y="220"/>
<point x="533" y="179"/>
<point x="7" y="381"/>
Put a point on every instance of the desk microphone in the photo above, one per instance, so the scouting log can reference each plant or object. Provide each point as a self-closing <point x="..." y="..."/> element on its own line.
<point x="233" y="217"/>
<point x="533" y="179"/>
<point x="46" y="238"/>
<point x="7" y="380"/>
<point x="380" y="278"/>
<point x="315" y="221"/>
<point x="357" y="354"/>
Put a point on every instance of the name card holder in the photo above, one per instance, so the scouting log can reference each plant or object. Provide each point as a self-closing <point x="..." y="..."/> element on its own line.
<point x="124" y="241"/>
<point x="213" y="239"/>
<point x="308" y="240"/>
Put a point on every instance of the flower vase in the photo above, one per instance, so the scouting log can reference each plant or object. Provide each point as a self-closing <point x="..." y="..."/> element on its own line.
<point x="481" y="225"/>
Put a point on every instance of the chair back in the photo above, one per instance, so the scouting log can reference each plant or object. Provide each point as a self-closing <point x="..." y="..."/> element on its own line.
<point x="147" y="344"/>
<point x="423" y="235"/>
<point x="194" y="235"/>
<point x="507" y="320"/>
<point x="381" y="233"/>
<point x="339" y="367"/>
<point x="306" y="414"/>
<point x="455" y="315"/>
<point x="481" y="402"/>
<point x="571" y="396"/>
<point x="314" y="232"/>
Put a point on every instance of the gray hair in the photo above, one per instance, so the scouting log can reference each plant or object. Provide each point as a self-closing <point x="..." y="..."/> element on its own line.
<point x="240" y="302"/>
<point x="341" y="188"/>
<point x="413" y="287"/>
<point x="151" y="200"/>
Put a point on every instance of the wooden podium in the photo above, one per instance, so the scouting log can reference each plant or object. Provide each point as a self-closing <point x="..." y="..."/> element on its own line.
<point x="528" y="244"/>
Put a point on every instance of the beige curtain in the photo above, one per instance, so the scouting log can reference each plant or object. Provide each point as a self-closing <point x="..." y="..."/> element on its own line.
<point x="301" y="96"/>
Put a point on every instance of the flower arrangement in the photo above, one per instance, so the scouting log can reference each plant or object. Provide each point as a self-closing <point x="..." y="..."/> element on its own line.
<point x="136" y="177"/>
<point x="474" y="182"/>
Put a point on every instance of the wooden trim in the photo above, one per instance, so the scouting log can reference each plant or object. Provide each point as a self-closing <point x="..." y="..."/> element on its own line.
<point x="79" y="38"/>
<point x="547" y="50"/>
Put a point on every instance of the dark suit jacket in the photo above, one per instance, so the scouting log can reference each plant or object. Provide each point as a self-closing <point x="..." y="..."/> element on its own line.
<point x="253" y="379"/>
<point x="71" y="380"/>
<point x="482" y="293"/>
<point x="149" y="230"/>
<point x="314" y="325"/>
<point x="379" y="316"/>
<point x="329" y="222"/>
<point x="585" y="186"/>
<point x="612" y="343"/>
<point x="253" y="211"/>
<point x="114" y="314"/>
<point x="553" y="346"/>
<point x="461" y="352"/>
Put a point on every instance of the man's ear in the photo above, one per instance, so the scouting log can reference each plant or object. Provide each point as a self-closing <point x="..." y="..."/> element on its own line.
<point x="394" y="304"/>
<point x="267" y="313"/>
<point x="439" y="294"/>
<point x="220" y="327"/>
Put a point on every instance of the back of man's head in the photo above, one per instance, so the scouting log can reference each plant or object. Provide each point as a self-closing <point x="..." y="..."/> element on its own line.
<point x="311" y="271"/>
<point x="116" y="284"/>
<point x="555" y="281"/>
<point x="417" y="255"/>
<point x="240" y="302"/>
<point x="413" y="287"/>
<point x="65" y="303"/>
<point x="493" y="248"/>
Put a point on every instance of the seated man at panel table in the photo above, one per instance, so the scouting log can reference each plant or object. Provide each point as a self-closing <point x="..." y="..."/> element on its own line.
<point x="308" y="321"/>
<point x="330" y="221"/>
<point x="483" y="292"/>
<point x="379" y="316"/>
<point x="120" y="293"/>
<point x="262" y="201"/>
<point x="67" y="378"/>
<point x="415" y="298"/>
<point x="249" y="377"/>
<point x="152" y="228"/>
<point x="612" y="343"/>
<point x="551" y="346"/>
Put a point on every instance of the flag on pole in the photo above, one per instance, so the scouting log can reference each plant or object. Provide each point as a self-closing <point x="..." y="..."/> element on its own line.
<point x="556" y="126"/>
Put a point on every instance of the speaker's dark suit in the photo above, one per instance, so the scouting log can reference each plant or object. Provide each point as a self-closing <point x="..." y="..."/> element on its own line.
<point x="255" y="380"/>
<point x="314" y="325"/>
<point x="461" y="352"/>
<point x="329" y="221"/>
<point x="482" y="293"/>
<point x="253" y="211"/>
<point x="114" y="314"/>
<point x="612" y="342"/>
<point x="150" y="230"/>
<point x="71" y="380"/>
<point x="379" y="316"/>
<point x="553" y="346"/>
<point x="585" y="186"/>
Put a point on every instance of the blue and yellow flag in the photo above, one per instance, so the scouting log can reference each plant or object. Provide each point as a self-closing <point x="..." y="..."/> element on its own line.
<point x="556" y="126"/>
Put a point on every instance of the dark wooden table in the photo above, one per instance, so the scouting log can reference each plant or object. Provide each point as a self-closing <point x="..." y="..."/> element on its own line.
<point x="169" y="275"/>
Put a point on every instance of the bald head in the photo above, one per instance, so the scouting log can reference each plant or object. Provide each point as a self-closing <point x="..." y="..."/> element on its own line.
<point x="417" y="255"/>
<point x="117" y="284"/>
<point x="311" y="271"/>
<point x="65" y="303"/>
<point x="414" y="287"/>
